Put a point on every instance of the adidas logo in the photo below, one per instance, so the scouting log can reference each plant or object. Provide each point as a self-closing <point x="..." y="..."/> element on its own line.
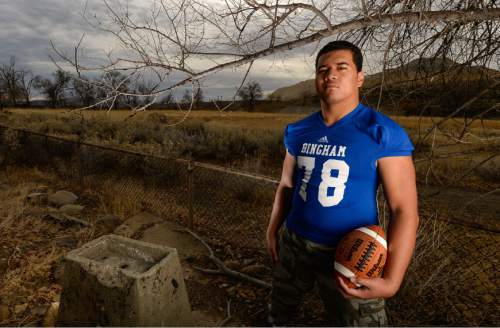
<point x="323" y="139"/>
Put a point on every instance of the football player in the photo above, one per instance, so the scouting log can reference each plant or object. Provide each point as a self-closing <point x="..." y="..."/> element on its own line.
<point x="335" y="159"/>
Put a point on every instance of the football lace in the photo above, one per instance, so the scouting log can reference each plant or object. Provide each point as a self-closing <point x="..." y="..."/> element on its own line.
<point x="366" y="256"/>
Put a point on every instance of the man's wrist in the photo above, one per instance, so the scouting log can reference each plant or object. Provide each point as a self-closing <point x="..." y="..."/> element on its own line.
<point x="393" y="284"/>
<point x="272" y="230"/>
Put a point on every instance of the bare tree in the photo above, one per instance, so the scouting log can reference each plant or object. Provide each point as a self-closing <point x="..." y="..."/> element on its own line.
<point x="3" y="94"/>
<point x="54" y="89"/>
<point x="117" y="85"/>
<point x="168" y="99"/>
<point x="26" y="81"/>
<point x="85" y="89"/>
<point x="10" y="81"/>
<point x="16" y="84"/>
<point x="250" y="94"/>
<point x="187" y="97"/>
<point x="198" y="97"/>
<point x="144" y="88"/>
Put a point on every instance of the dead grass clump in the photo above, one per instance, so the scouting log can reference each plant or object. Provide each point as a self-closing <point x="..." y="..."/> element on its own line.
<point x="53" y="126"/>
<point x="35" y="117"/>
<point x="103" y="129"/>
<point x="156" y="117"/>
<point x="17" y="176"/>
<point x="13" y="205"/>
<point x="115" y="199"/>
<point x="4" y="115"/>
<point x="127" y="196"/>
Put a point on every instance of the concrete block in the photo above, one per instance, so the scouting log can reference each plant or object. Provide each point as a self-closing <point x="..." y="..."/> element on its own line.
<point x="117" y="281"/>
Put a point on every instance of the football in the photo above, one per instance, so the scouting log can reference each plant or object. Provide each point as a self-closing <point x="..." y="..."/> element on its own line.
<point x="361" y="253"/>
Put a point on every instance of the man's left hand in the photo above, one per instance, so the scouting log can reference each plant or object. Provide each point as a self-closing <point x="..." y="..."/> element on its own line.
<point x="370" y="288"/>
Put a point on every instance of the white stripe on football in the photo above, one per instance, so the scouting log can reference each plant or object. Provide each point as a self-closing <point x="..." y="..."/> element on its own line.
<point x="374" y="235"/>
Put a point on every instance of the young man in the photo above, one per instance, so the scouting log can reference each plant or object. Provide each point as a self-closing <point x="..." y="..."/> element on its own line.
<point x="334" y="162"/>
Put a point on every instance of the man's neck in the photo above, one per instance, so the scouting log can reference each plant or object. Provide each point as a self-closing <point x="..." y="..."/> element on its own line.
<point x="333" y="113"/>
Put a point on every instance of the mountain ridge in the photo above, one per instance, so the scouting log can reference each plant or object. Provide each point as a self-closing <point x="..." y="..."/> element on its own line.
<point x="416" y="72"/>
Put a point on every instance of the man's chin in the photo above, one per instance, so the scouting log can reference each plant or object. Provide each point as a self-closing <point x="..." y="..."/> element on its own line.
<point x="331" y="99"/>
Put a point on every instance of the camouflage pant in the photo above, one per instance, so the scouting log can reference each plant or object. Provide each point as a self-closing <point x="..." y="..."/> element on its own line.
<point x="301" y="265"/>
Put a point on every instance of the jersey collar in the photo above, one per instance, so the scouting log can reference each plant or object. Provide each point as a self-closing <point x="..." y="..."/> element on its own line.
<point x="342" y="121"/>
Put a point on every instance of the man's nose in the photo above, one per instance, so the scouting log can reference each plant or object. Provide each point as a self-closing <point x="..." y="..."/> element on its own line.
<point x="331" y="76"/>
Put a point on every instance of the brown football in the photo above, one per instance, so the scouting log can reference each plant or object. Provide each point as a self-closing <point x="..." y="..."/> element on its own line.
<point x="361" y="253"/>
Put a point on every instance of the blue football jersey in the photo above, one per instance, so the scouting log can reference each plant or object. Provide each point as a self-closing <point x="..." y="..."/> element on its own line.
<point x="335" y="179"/>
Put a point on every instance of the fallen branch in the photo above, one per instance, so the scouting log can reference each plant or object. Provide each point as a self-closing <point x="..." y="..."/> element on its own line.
<point x="223" y="269"/>
<point x="64" y="218"/>
<point x="228" y="317"/>
<point x="209" y="271"/>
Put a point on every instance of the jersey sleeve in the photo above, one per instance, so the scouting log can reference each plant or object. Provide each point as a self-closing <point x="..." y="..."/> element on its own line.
<point x="290" y="141"/>
<point x="395" y="141"/>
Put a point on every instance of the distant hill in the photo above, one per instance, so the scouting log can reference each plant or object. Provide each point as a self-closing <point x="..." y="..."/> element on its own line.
<point x="428" y="86"/>
<point x="297" y="91"/>
<point x="426" y="71"/>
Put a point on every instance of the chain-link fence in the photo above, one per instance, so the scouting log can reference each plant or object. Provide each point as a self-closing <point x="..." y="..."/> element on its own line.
<point x="205" y="197"/>
<point x="453" y="278"/>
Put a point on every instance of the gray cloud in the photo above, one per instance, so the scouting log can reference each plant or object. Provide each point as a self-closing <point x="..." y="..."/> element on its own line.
<point x="28" y="26"/>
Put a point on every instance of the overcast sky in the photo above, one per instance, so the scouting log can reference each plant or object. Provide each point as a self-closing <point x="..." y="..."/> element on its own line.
<point x="28" y="26"/>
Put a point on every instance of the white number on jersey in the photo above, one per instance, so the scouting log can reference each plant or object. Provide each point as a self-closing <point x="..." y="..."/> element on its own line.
<point x="327" y="180"/>
<point x="307" y="163"/>
<point x="338" y="182"/>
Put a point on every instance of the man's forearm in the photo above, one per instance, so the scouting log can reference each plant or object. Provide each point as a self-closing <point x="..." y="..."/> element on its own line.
<point x="281" y="208"/>
<point x="401" y="238"/>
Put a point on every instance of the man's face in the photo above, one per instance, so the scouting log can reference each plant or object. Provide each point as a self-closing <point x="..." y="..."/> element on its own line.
<point x="337" y="78"/>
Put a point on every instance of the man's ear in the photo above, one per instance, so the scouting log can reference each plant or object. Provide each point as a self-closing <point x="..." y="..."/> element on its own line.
<point x="361" y="78"/>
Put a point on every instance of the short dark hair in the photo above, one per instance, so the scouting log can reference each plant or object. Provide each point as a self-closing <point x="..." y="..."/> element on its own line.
<point x="341" y="45"/>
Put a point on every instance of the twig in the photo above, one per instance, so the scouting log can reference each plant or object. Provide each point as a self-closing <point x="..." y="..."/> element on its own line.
<point x="209" y="271"/>
<point x="223" y="268"/>
<point x="479" y="197"/>
<point x="228" y="317"/>
<point x="449" y="184"/>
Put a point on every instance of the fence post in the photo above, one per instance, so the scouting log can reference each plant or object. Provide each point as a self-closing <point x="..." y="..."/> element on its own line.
<point x="190" y="193"/>
<point x="80" y="164"/>
<point x="82" y="135"/>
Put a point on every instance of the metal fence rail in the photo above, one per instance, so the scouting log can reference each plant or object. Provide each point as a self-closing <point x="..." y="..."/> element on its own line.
<point x="453" y="279"/>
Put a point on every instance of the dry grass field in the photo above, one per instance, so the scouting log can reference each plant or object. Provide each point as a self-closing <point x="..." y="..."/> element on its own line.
<point x="252" y="120"/>
<point x="253" y="141"/>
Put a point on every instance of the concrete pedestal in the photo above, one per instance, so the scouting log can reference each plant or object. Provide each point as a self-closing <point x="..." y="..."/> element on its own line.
<point x="117" y="281"/>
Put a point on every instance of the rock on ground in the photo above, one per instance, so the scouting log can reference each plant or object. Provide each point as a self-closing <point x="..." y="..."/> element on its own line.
<point x="62" y="197"/>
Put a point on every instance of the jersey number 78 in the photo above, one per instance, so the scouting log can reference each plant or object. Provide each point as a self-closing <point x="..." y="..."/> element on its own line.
<point x="327" y="181"/>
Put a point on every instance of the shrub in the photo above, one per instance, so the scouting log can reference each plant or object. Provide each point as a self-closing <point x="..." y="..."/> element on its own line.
<point x="157" y="118"/>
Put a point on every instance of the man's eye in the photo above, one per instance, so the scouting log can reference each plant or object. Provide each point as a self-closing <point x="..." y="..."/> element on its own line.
<point x="342" y="67"/>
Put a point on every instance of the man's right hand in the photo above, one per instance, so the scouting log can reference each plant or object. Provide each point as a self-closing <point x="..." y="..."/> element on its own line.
<point x="272" y="246"/>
